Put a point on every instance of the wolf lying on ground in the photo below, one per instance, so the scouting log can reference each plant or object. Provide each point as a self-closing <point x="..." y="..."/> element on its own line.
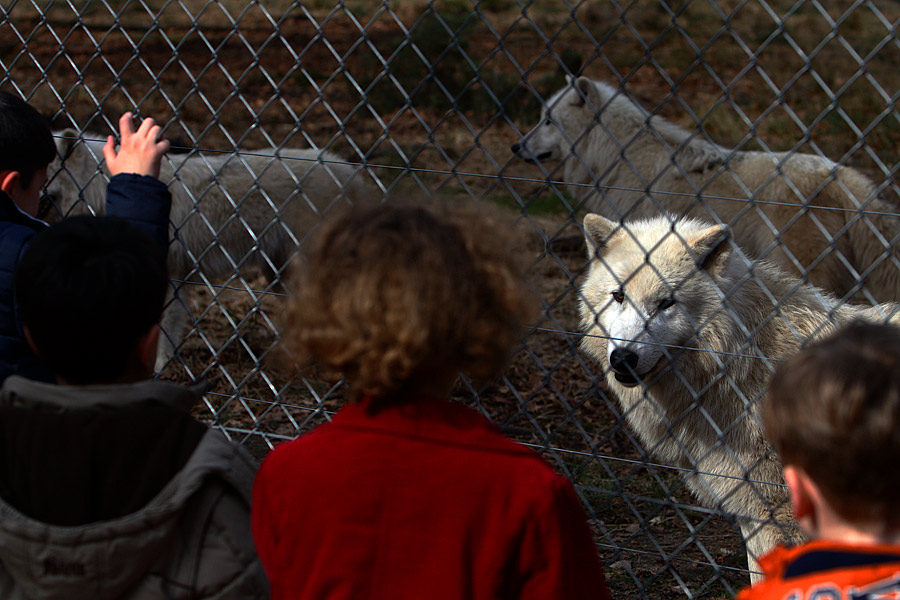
<point x="229" y="211"/>
<point x="687" y="331"/>
<point x="801" y="211"/>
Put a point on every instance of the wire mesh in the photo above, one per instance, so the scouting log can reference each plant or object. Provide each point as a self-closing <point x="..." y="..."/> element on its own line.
<point x="429" y="96"/>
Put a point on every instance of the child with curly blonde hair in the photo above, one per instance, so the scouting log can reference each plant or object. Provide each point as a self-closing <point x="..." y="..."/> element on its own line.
<point x="405" y="494"/>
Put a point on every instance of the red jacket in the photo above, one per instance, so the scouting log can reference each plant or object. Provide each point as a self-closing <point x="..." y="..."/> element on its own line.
<point x="828" y="571"/>
<point x="424" y="500"/>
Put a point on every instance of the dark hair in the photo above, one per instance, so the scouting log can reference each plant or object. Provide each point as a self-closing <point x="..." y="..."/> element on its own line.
<point x="387" y="294"/>
<point x="88" y="289"/>
<point x="26" y="143"/>
<point x="834" y="411"/>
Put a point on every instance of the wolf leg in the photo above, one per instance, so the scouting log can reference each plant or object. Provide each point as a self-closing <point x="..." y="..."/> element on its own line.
<point x="775" y="526"/>
<point x="174" y="319"/>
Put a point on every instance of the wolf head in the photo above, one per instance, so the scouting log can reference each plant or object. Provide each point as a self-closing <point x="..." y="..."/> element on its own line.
<point x="574" y="113"/>
<point x="76" y="181"/>
<point x="650" y="288"/>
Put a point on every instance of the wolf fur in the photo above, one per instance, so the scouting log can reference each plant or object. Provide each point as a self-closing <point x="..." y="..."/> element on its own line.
<point x="803" y="212"/>
<point x="229" y="211"/>
<point x="688" y="333"/>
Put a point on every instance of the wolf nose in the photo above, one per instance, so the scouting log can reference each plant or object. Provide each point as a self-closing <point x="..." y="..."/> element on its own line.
<point x="515" y="148"/>
<point x="623" y="361"/>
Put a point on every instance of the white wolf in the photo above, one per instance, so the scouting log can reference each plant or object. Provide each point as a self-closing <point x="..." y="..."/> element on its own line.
<point x="687" y="332"/>
<point x="801" y="211"/>
<point x="229" y="211"/>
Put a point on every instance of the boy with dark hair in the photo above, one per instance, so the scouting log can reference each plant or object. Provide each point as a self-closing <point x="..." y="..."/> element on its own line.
<point x="833" y="414"/>
<point x="108" y="487"/>
<point x="84" y="299"/>
<point x="405" y="494"/>
<point x="26" y="149"/>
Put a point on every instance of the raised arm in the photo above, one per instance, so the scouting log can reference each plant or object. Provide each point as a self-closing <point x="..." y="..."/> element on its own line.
<point x="135" y="192"/>
<point x="140" y="152"/>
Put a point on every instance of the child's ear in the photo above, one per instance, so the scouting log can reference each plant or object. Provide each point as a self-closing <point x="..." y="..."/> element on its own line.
<point x="30" y="340"/>
<point x="805" y="498"/>
<point x="146" y="350"/>
<point x="8" y="181"/>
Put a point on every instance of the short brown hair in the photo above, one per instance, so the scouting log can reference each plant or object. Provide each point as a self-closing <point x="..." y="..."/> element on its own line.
<point x="387" y="293"/>
<point x="834" y="411"/>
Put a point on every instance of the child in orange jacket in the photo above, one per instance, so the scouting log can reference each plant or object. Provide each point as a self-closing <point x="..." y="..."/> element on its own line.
<point x="405" y="494"/>
<point x="833" y="413"/>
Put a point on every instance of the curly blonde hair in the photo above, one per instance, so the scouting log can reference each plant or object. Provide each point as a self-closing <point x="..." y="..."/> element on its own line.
<point x="388" y="293"/>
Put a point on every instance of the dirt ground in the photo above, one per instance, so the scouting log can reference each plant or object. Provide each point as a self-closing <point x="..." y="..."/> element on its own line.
<point x="437" y="109"/>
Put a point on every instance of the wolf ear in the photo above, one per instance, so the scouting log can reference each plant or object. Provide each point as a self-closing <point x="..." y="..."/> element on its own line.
<point x="586" y="90"/>
<point x="712" y="248"/>
<point x="597" y="231"/>
<point x="66" y="141"/>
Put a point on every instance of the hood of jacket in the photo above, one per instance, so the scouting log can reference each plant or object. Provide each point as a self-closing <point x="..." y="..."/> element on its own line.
<point x="106" y="558"/>
<point x="11" y="213"/>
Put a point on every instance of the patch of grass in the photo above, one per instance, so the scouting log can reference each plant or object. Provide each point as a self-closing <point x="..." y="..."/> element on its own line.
<point x="501" y="92"/>
<point x="428" y="68"/>
<point x="720" y="122"/>
<point x="438" y="67"/>
<point x="522" y="104"/>
<point x="497" y="5"/>
<point x="548" y="203"/>
<point x="779" y="130"/>
<point x="587" y="472"/>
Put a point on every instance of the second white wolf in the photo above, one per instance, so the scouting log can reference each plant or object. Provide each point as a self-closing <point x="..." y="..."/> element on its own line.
<point x="687" y="333"/>
<point x="812" y="217"/>
<point x="229" y="211"/>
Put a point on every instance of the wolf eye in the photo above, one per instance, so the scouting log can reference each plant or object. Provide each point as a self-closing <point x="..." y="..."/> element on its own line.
<point x="619" y="296"/>
<point x="666" y="303"/>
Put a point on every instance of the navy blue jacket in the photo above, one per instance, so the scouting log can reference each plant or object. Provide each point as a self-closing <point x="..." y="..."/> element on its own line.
<point x="140" y="199"/>
<point x="16" y="231"/>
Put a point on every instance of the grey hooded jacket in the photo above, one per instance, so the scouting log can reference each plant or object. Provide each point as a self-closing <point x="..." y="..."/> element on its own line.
<point x="191" y="540"/>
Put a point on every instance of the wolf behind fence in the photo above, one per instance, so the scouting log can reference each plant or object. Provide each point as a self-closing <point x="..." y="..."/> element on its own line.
<point x="813" y="218"/>
<point x="229" y="211"/>
<point x="687" y="330"/>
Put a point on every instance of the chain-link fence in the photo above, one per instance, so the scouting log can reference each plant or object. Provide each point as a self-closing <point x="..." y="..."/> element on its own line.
<point x="279" y="111"/>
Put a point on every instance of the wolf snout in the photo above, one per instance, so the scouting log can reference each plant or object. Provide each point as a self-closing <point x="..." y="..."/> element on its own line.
<point x="623" y="362"/>
<point x="522" y="151"/>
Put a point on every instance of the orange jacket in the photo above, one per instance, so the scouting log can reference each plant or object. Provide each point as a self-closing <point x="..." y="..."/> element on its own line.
<point x="828" y="570"/>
